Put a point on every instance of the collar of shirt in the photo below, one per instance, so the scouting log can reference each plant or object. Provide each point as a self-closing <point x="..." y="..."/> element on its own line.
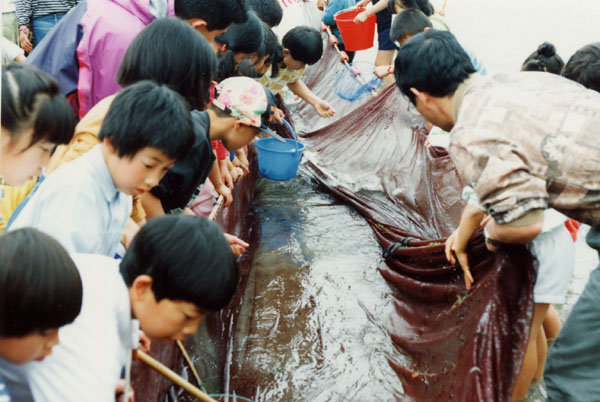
<point x="460" y="92"/>
<point x="105" y="180"/>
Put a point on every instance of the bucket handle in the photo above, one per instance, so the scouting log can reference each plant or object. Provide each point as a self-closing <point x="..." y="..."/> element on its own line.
<point x="291" y="130"/>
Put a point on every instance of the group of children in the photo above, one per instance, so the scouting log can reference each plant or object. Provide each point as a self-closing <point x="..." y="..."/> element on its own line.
<point x="94" y="208"/>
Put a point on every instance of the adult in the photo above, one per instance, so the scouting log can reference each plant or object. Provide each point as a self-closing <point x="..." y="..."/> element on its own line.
<point x="89" y="43"/>
<point x="41" y="16"/>
<point x="525" y="142"/>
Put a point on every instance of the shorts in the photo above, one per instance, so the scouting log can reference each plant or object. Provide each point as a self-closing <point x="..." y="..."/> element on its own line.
<point x="384" y="25"/>
<point x="555" y="252"/>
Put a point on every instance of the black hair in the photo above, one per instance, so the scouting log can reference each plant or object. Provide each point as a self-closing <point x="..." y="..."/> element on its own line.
<point x="269" y="11"/>
<point x="32" y="99"/>
<point x="584" y="66"/>
<point x="146" y="114"/>
<point x="188" y="259"/>
<point x="218" y="14"/>
<point x="40" y="286"/>
<point x="408" y="23"/>
<point x="273" y="48"/>
<point x="304" y="43"/>
<point x="246" y="37"/>
<point x="544" y="59"/>
<point x="422" y="5"/>
<point x="170" y="52"/>
<point x="432" y="61"/>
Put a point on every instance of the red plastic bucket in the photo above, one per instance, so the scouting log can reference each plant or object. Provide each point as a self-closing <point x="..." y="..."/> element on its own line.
<point x="355" y="36"/>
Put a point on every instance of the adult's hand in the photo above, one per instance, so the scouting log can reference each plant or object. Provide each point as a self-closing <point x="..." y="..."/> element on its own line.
<point x="24" y="39"/>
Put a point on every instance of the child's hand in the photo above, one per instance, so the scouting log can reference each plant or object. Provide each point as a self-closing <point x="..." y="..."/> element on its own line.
<point x="324" y="109"/>
<point x="361" y="18"/>
<point x="238" y="246"/>
<point x="144" y="342"/>
<point x="239" y="165"/>
<point x="382" y="71"/>
<point x="226" y="193"/>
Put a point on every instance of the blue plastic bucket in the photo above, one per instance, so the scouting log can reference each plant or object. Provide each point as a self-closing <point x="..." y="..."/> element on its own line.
<point x="278" y="160"/>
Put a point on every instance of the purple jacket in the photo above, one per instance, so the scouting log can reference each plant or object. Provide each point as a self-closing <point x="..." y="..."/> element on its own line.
<point x="98" y="32"/>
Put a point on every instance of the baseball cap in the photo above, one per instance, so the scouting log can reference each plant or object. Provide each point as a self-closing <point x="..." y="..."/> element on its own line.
<point x="247" y="100"/>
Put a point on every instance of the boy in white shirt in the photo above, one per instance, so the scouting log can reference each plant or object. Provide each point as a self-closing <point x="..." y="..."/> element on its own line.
<point x="177" y="269"/>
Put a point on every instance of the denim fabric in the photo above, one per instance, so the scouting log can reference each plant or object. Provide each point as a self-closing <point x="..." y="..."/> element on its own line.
<point x="43" y="25"/>
<point x="573" y="364"/>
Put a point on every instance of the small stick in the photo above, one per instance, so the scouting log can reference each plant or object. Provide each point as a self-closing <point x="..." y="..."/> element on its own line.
<point x="189" y="362"/>
<point x="443" y="10"/>
<point x="216" y="208"/>
<point x="360" y="78"/>
<point x="211" y="217"/>
<point x="171" y="375"/>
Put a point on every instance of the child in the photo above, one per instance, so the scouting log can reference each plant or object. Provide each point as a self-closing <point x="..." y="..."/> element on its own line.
<point x="555" y="253"/>
<point x="35" y="118"/>
<point x="40" y="291"/>
<point x="163" y="285"/>
<point x="239" y="113"/>
<point x="269" y="11"/>
<point x="407" y="24"/>
<point x="187" y="65"/>
<point x="302" y="45"/>
<point x="544" y="59"/>
<point x="86" y="203"/>
<point x="241" y="41"/>
<point x="271" y="54"/>
<point x="332" y="8"/>
<point x="584" y="67"/>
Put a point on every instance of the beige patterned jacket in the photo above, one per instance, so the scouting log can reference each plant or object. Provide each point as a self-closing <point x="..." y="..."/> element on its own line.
<point x="527" y="141"/>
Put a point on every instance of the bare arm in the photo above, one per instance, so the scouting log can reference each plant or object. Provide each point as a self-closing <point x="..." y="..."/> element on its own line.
<point x="521" y="231"/>
<point x="322" y="108"/>
<point x="152" y="205"/>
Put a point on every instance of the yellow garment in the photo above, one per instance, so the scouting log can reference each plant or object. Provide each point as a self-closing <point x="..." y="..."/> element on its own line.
<point x="84" y="139"/>
<point x="284" y="77"/>
<point x="11" y="197"/>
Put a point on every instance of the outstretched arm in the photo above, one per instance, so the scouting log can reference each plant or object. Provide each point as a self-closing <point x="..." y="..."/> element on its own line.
<point x="323" y="108"/>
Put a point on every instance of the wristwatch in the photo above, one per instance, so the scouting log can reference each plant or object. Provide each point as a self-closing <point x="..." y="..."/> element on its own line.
<point x="24" y="29"/>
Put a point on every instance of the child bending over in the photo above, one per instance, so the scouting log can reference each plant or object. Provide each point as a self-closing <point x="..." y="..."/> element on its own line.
<point x="302" y="45"/>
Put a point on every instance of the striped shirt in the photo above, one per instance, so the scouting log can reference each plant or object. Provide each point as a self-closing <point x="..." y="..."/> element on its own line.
<point x="284" y="77"/>
<point x="27" y="10"/>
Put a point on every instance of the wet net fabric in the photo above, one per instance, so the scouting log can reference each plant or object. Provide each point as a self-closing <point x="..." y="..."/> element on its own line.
<point x="460" y="346"/>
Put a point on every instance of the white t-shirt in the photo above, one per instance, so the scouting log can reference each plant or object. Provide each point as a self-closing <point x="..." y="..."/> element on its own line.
<point x="86" y="364"/>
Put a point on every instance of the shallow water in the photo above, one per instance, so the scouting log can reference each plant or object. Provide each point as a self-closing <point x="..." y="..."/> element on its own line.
<point x="316" y="306"/>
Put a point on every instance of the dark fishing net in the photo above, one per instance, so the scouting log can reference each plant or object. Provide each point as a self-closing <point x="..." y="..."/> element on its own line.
<point x="462" y="346"/>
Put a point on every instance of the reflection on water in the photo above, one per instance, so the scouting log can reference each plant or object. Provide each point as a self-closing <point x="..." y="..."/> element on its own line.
<point x="312" y="325"/>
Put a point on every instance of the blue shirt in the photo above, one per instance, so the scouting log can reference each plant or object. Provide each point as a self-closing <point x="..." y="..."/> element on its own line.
<point x="80" y="206"/>
<point x="332" y="8"/>
<point x="4" y="396"/>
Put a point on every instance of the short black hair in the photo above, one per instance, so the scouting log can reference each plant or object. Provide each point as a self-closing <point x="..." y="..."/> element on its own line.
<point x="146" y="114"/>
<point x="432" y="61"/>
<point x="31" y="98"/>
<point x="304" y="43"/>
<point x="218" y="14"/>
<point x="269" y="11"/>
<point x="544" y="59"/>
<point x="188" y="259"/>
<point x="170" y="52"/>
<point x="40" y="286"/>
<point x="584" y="66"/>
<point x="408" y="23"/>
<point x="244" y="37"/>
<point x="422" y="5"/>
